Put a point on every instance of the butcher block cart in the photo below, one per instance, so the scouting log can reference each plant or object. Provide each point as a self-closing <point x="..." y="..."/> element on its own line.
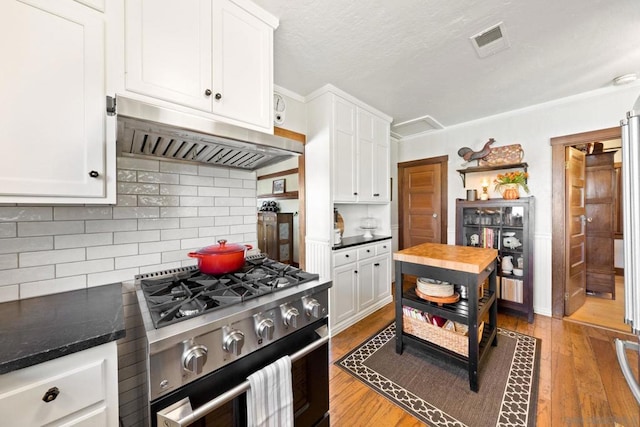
<point x="469" y="267"/>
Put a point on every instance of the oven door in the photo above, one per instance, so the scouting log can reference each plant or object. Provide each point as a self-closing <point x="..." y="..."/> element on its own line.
<point x="220" y="398"/>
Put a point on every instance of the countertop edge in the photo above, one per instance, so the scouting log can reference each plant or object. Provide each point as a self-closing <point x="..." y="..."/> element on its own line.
<point x="349" y="242"/>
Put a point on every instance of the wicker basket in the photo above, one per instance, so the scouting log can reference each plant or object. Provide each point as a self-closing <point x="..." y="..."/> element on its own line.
<point x="453" y="341"/>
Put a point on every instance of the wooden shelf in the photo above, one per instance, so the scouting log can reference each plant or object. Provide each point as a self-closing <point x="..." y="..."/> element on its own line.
<point x="464" y="172"/>
<point x="286" y="195"/>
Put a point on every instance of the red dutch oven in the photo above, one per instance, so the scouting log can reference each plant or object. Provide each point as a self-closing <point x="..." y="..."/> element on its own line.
<point x="221" y="258"/>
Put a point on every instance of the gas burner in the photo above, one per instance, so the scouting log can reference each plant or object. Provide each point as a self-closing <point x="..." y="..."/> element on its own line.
<point x="190" y="308"/>
<point x="280" y="282"/>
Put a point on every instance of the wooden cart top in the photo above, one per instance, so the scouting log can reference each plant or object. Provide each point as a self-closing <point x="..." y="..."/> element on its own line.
<point x="460" y="258"/>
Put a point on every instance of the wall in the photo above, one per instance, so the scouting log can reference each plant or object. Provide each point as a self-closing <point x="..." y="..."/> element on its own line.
<point x="532" y="128"/>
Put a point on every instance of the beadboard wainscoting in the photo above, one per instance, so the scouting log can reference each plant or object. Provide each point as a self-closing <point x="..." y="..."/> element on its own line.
<point x="163" y="211"/>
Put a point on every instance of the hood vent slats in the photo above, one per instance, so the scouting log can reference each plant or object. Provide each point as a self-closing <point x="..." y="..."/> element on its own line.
<point x="149" y="131"/>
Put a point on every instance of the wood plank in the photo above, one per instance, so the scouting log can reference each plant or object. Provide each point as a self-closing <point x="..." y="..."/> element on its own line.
<point x="460" y="258"/>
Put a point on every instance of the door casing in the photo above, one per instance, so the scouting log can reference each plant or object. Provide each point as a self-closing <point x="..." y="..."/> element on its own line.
<point x="558" y="218"/>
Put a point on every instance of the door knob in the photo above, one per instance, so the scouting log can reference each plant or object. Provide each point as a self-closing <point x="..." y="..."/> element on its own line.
<point x="435" y="215"/>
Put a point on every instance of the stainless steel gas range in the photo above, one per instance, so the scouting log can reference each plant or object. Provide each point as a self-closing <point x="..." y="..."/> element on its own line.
<point x="207" y="334"/>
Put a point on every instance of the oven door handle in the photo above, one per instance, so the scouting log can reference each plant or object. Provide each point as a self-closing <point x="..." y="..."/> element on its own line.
<point x="182" y="414"/>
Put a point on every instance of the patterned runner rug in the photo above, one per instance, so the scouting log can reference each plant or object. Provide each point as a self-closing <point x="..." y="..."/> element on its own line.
<point x="437" y="392"/>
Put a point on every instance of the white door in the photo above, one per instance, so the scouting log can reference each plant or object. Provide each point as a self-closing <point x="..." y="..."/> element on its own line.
<point x="366" y="153"/>
<point x="52" y="114"/>
<point x="243" y="66"/>
<point x="344" y="293"/>
<point x="381" y="158"/>
<point x="382" y="276"/>
<point x="366" y="284"/>
<point x="168" y="48"/>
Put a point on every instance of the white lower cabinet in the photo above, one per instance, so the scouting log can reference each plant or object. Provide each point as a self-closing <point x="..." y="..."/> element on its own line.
<point x="80" y="389"/>
<point x="361" y="283"/>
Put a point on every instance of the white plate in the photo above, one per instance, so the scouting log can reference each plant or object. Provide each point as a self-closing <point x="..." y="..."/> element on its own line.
<point x="509" y="234"/>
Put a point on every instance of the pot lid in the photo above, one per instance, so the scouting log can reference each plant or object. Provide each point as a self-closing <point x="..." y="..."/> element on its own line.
<point x="222" y="248"/>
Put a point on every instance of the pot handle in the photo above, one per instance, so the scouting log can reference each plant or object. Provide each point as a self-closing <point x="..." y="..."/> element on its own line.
<point x="194" y="255"/>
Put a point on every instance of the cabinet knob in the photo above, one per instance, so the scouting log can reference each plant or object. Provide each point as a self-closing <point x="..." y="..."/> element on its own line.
<point x="208" y="92"/>
<point x="218" y="96"/>
<point x="377" y="264"/>
<point x="51" y="395"/>
<point x="376" y="194"/>
<point x="368" y="250"/>
<point x="94" y="174"/>
<point x="355" y="194"/>
<point x="355" y="271"/>
<point x="346" y="256"/>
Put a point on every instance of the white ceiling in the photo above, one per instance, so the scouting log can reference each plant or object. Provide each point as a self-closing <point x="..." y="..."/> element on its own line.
<point x="413" y="58"/>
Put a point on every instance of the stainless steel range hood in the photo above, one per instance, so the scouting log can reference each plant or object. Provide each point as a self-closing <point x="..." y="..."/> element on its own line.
<point x="146" y="130"/>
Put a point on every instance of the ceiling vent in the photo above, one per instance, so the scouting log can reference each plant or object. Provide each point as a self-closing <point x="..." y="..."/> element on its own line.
<point x="490" y="41"/>
<point x="415" y="127"/>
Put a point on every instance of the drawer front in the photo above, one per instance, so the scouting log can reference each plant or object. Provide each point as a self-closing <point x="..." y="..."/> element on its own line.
<point x="344" y="257"/>
<point x="366" y="252"/>
<point x="78" y="389"/>
<point x="383" y="248"/>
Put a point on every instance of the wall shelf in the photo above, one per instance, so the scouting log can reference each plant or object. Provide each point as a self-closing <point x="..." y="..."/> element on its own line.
<point x="286" y="195"/>
<point x="464" y="172"/>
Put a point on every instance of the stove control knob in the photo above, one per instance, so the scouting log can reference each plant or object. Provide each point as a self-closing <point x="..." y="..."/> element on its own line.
<point x="312" y="307"/>
<point x="194" y="358"/>
<point x="233" y="342"/>
<point x="265" y="328"/>
<point x="289" y="315"/>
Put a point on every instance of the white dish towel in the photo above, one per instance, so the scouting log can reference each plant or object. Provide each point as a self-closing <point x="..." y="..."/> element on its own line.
<point x="270" y="397"/>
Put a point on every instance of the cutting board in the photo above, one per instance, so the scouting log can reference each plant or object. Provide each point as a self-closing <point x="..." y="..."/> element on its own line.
<point x="340" y="223"/>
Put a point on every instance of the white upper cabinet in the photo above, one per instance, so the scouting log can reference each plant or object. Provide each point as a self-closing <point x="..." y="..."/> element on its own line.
<point x="344" y="163"/>
<point x="214" y="56"/>
<point x="53" y="122"/>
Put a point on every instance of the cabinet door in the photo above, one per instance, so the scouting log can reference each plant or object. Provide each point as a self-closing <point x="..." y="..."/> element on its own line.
<point x="366" y="154"/>
<point x="169" y="50"/>
<point x="344" y="152"/>
<point x="382" y="276"/>
<point x="52" y="114"/>
<point x="243" y="66"/>
<point x="268" y="234"/>
<point x="343" y="294"/>
<point x="381" y="160"/>
<point x="366" y="284"/>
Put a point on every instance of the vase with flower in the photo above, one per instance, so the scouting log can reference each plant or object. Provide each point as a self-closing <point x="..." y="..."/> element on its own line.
<point x="508" y="184"/>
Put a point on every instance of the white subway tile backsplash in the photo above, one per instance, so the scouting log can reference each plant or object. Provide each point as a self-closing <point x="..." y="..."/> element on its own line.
<point x="213" y="211"/>
<point x="245" y="192"/>
<point x="178" y="212"/>
<point x="111" y="225"/>
<point x="242" y="211"/>
<point x="160" y="267"/>
<point x="25" y="244"/>
<point x="213" y="192"/>
<point x="247" y="201"/>
<point x="176" y="256"/>
<point x="228" y="182"/>
<point x="25" y="213"/>
<point x="228" y="220"/>
<point x="229" y="201"/>
<point x="178" y="233"/>
<point x="84" y="267"/>
<point x="178" y="190"/>
<point x="137" y="188"/>
<point x="196" y="201"/>
<point x="136" y="236"/>
<point x="8" y="261"/>
<point x="9" y="293"/>
<point x="127" y="200"/>
<point x="137" y="261"/>
<point x="49" y="228"/>
<point x="31" y="259"/>
<point x="242" y="174"/>
<point x="69" y="213"/>
<point x="158" y="223"/>
<point x="213" y="231"/>
<point x="250" y="237"/>
<point x="108" y="277"/>
<point x="250" y="219"/>
<point x="112" y="251"/>
<point x="201" y="181"/>
<point x="27" y="274"/>
<point x="195" y="244"/>
<point x="214" y="171"/>
<point x="250" y="184"/>
<point x="158" y="201"/>
<point x="179" y="168"/>
<point x="163" y="246"/>
<point x="204" y="221"/>
<point x="127" y="175"/>
<point x="138" y="164"/>
<point x="158" y="177"/>
<point x="53" y="286"/>
<point x="135" y="212"/>
<point x="8" y="229"/>
<point x="238" y="229"/>
<point x="82" y="240"/>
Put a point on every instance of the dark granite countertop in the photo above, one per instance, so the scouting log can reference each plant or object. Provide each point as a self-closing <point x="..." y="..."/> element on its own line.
<point x="348" y="242"/>
<point x="39" y="329"/>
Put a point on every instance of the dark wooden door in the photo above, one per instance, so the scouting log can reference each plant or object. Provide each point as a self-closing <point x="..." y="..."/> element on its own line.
<point x="421" y="196"/>
<point x="575" y="283"/>
<point x="600" y="211"/>
<point x="267" y="234"/>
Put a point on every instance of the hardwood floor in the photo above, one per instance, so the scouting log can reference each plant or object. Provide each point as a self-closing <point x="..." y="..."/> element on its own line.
<point x="601" y="310"/>
<point x="581" y="383"/>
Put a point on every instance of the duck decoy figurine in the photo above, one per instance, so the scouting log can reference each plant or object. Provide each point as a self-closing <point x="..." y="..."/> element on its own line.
<point x="468" y="154"/>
